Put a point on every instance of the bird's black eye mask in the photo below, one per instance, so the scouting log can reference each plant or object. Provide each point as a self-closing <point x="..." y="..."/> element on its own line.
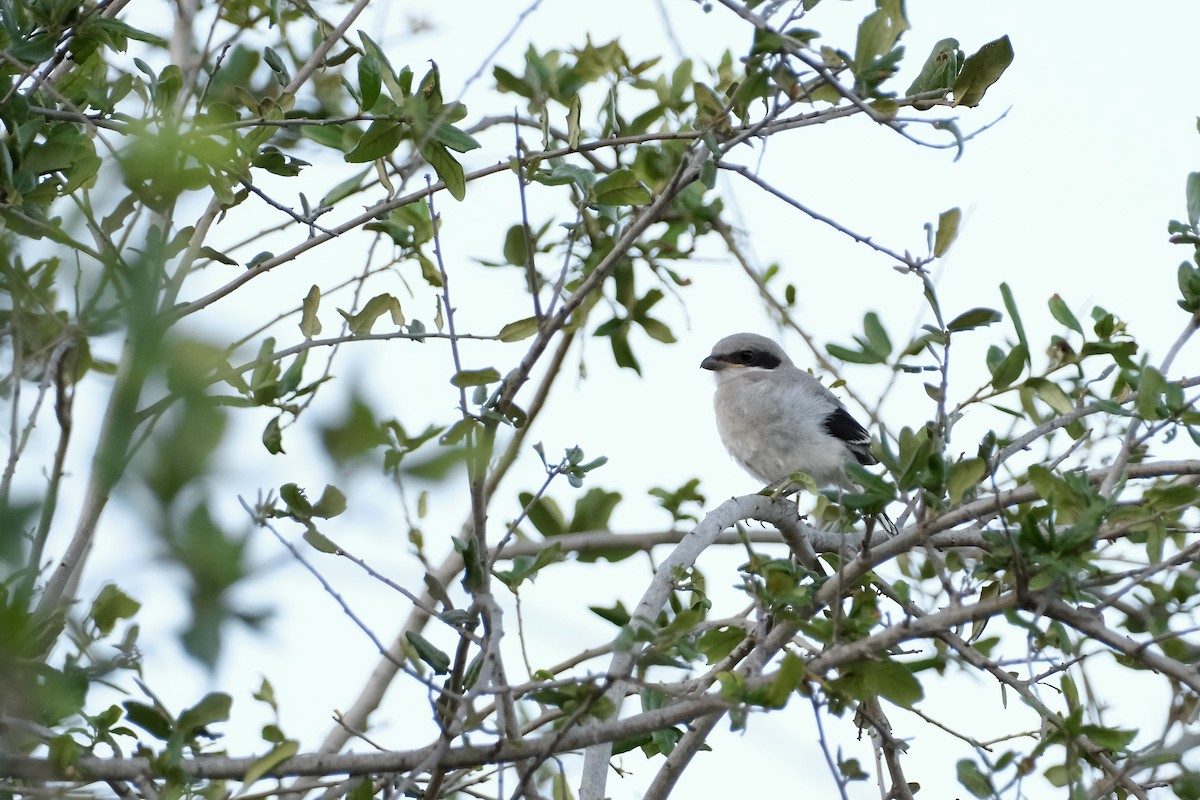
<point x="754" y="358"/>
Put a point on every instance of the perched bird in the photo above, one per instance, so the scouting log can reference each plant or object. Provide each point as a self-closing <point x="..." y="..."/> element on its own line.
<point x="776" y="419"/>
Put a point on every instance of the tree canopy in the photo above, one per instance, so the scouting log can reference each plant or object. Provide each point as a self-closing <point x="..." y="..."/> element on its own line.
<point x="269" y="232"/>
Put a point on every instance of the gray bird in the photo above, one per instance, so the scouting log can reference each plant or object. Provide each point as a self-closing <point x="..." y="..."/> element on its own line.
<point x="776" y="419"/>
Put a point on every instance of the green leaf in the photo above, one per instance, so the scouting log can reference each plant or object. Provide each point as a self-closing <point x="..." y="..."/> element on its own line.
<point x="277" y="755"/>
<point x="1193" y="198"/>
<point x="1060" y="311"/>
<point x="362" y="322"/>
<point x="275" y="63"/>
<point x="213" y="707"/>
<point x="310" y="326"/>
<point x="719" y="642"/>
<point x="216" y="255"/>
<point x="149" y="718"/>
<point x="888" y="679"/>
<point x="507" y="82"/>
<point x="331" y="503"/>
<point x="1051" y="394"/>
<point x="1010" y="368"/>
<point x="345" y="188"/>
<point x="272" y="437"/>
<point x="877" y="336"/>
<point x="657" y="330"/>
<point x="964" y="475"/>
<point x="111" y="605"/>
<point x="1109" y="738"/>
<point x="379" y="140"/>
<point x="320" y="542"/>
<point x="975" y="318"/>
<point x="435" y="658"/>
<point x="973" y="780"/>
<point x="877" y="33"/>
<point x="1150" y="389"/>
<point x="562" y="174"/>
<point x="545" y="514"/>
<point x="293" y="497"/>
<point x="940" y="68"/>
<point x="981" y="70"/>
<point x="947" y="231"/>
<point x="457" y="140"/>
<point x="370" y="79"/>
<point x="516" y="249"/>
<point x="852" y="356"/>
<point x="521" y="329"/>
<point x="1010" y="305"/>
<point x="449" y="170"/>
<point x="475" y="377"/>
<point x="620" y="188"/>
<point x="618" y="615"/>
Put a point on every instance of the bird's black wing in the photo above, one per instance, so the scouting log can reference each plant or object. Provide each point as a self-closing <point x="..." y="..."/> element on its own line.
<point x="841" y="425"/>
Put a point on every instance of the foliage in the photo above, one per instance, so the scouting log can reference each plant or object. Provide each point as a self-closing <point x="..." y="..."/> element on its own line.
<point x="126" y="161"/>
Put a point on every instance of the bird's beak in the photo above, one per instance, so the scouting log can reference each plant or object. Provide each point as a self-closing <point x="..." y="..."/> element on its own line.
<point x="713" y="363"/>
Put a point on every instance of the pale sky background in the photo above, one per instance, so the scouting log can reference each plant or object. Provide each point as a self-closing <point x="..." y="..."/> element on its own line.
<point x="1070" y="193"/>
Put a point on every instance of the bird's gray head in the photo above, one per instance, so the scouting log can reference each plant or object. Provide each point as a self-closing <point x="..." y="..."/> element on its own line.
<point x="745" y="351"/>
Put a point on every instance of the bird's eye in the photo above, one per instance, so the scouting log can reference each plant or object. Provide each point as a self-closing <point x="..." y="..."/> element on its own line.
<point x="745" y="356"/>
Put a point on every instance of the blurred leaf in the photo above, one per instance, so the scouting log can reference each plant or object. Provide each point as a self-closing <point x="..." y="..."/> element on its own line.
<point x="293" y="497"/>
<point x="272" y="437"/>
<point x="516" y="246"/>
<point x="852" y="356"/>
<point x="370" y="79"/>
<point x="264" y="764"/>
<point x="277" y="66"/>
<point x="435" y="658"/>
<point x="964" y="475"/>
<point x="1060" y="311"/>
<point x="310" y="326"/>
<point x="320" y="542"/>
<point x="1010" y="305"/>
<point x="111" y="605"/>
<point x="345" y="188"/>
<point x="877" y="336"/>
<point x="475" y="377"/>
<point x="361" y="323"/>
<point x="379" y="140"/>
<point x="213" y="707"/>
<point x="1010" y="368"/>
<point x="618" y="615"/>
<point x="594" y="510"/>
<point x="331" y="504"/>
<point x="149" y="718"/>
<point x="1150" y="389"/>
<point x="975" y="318"/>
<point x="1051" y="394"/>
<point x="1193" y="198"/>
<point x="947" y="231"/>
<point x="521" y="329"/>
<point x="446" y="167"/>
<point x="620" y="188"/>
<point x="544" y="513"/>
<point x="885" y="678"/>
<point x="574" y="132"/>
<point x="717" y="643"/>
<point x="973" y="780"/>
<point x="457" y="140"/>
<point x="1115" y="739"/>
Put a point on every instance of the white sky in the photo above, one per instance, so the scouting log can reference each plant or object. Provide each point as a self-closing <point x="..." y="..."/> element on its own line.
<point x="1069" y="193"/>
